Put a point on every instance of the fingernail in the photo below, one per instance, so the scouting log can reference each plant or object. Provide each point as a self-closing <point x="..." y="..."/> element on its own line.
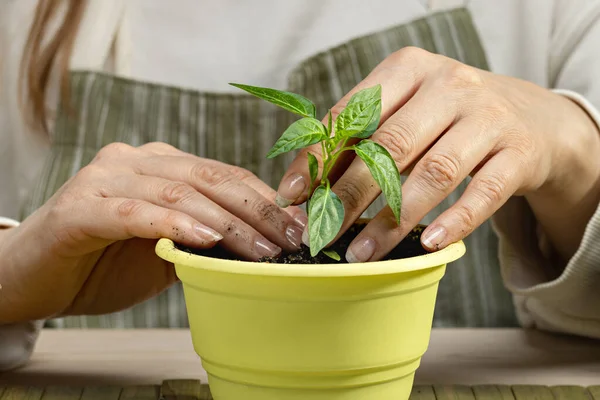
<point x="206" y="233"/>
<point x="305" y="238"/>
<point x="432" y="239"/>
<point x="265" y="248"/>
<point x="290" y="189"/>
<point x="361" y="251"/>
<point x="283" y="202"/>
<point x="301" y="220"/>
<point x="294" y="235"/>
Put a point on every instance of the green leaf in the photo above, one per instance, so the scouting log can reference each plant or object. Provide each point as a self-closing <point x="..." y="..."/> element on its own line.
<point x="302" y="133"/>
<point x="384" y="171"/>
<point x="313" y="168"/>
<point x="332" y="254"/>
<point x="361" y="116"/>
<point x="325" y="218"/>
<point x="329" y="123"/>
<point x="290" y="101"/>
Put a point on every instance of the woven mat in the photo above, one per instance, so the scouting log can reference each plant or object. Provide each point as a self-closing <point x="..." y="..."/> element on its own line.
<point x="194" y="390"/>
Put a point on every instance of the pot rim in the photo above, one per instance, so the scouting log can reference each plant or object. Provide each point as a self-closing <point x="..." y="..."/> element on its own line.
<point x="166" y="249"/>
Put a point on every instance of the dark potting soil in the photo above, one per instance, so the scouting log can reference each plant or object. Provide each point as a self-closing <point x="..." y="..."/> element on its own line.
<point x="409" y="247"/>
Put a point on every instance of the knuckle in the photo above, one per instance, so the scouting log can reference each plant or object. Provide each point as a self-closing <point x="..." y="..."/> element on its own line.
<point x="519" y="142"/>
<point x="352" y="193"/>
<point x="209" y="174"/>
<point x="490" y="189"/>
<point x="235" y="229"/>
<point x="113" y="149"/>
<point x="406" y="62"/>
<point x="525" y="162"/>
<point x="241" y="174"/>
<point x="158" y="146"/>
<point x="519" y="151"/>
<point x="441" y="171"/>
<point x="522" y="139"/>
<point x="267" y="211"/>
<point x="175" y="192"/>
<point x="467" y="217"/>
<point x="409" y="52"/>
<point x="91" y="172"/>
<point x="497" y="111"/>
<point x="128" y="208"/>
<point x="522" y="156"/>
<point x="490" y="111"/>
<point x="400" y="139"/>
<point x="170" y="220"/>
<point x="461" y="76"/>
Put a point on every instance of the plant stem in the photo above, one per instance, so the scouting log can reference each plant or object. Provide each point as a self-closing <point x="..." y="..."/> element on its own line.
<point x="330" y="162"/>
<point x="325" y="152"/>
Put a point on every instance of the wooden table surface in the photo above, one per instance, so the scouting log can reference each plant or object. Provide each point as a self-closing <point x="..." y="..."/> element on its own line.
<point x="455" y="357"/>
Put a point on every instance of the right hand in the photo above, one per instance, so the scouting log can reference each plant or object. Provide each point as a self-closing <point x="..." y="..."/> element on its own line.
<point x="90" y="248"/>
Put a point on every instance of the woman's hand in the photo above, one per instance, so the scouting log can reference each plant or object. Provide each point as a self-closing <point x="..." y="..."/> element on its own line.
<point x="90" y="248"/>
<point x="443" y="121"/>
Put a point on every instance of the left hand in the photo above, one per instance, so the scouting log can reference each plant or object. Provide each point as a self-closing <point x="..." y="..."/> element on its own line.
<point x="444" y="121"/>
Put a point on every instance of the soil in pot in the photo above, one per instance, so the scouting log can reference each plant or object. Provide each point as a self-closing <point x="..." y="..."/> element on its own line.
<point x="409" y="247"/>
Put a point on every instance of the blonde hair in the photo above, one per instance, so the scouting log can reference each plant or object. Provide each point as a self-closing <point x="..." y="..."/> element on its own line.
<point x="39" y="59"/>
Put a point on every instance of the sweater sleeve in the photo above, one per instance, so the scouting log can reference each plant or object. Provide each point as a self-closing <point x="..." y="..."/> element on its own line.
<point x="558" y="298"/>
<point x="546" y="296"/>
<point x="17" y="342"/>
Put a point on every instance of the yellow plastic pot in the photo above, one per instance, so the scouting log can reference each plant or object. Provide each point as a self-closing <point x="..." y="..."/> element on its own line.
<point x="310" y="332"/>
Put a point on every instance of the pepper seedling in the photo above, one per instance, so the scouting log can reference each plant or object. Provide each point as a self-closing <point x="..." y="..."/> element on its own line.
<point x="358" y="120"/>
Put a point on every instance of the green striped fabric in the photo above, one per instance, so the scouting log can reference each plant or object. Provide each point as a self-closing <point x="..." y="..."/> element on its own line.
<point x="239" y="129"/>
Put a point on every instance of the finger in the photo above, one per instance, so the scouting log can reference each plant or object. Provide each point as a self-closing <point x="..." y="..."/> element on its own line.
<point x="118" y="218"/>
<point x="295" y="184"/>
<point x="291" y="238"/>
<point x="238" y="236"/>
<point x="225" y="185"/>
<point x="268" y="193"/>
<point x="400" y="77"/>
<point x="406" y="135"/>
<point x="433" y="178"/>
<point x="489" y="189"/>
<point x="160" y="148"/>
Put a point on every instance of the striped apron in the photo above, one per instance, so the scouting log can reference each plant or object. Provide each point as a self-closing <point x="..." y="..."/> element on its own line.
<point x="239" y="129"/>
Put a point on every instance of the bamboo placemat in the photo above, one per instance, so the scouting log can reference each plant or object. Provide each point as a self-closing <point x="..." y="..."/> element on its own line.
<point x="195" y="390"/>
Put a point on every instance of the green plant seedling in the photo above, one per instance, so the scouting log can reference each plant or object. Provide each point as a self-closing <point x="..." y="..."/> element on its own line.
<point x="358" y="120"/>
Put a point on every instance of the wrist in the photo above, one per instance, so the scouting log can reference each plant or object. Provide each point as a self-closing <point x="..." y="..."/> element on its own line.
<point x="7" y="307"/>
<point x="576" y="133"/>
<point x="564" y="204"/>
<point x="35" y="287"/>
<point x="19" y="302"/>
